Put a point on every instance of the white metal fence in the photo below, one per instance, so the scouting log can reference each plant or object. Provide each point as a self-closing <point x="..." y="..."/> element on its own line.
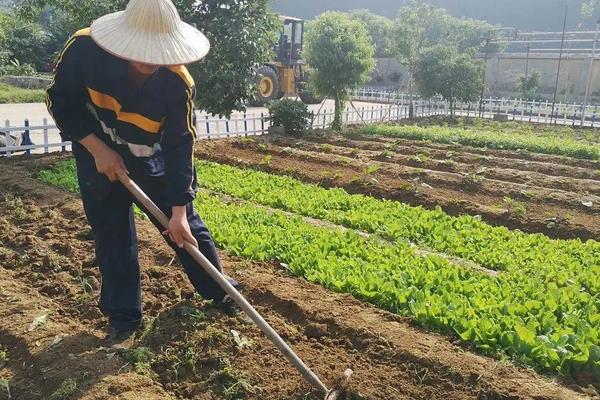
<point x="537" y="111"/>
<point x="21" y="137"/>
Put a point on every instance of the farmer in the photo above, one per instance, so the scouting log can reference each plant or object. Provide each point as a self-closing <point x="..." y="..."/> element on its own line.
<point x="122" y="95"/>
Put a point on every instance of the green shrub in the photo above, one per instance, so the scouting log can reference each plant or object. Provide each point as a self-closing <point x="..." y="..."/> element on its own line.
<point x="293" y="115"/>
<point x="16" y="68"/>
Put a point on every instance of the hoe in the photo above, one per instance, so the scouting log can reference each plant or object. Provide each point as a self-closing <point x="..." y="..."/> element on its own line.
<point x="334" y="393"/>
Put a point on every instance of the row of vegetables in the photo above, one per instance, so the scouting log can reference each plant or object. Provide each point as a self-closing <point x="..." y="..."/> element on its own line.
<point x="542" y="308"/>
<point x="494" y="139"/>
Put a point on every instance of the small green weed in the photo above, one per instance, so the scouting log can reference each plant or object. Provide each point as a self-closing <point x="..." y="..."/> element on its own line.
<point x="3" y="358"/>
<point x="141" y="359"/>
<point x="514" y="207"/>
<point x="327" y="148"/>
<point x="233" y="385"/>
<point x="65" y="390"/>
<point x="371" y="169"/>
<point x="266" y="160"/>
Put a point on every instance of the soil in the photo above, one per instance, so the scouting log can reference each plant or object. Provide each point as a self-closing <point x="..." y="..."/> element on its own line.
<point x="47" y="268"/>
<point x="535" y="193"/>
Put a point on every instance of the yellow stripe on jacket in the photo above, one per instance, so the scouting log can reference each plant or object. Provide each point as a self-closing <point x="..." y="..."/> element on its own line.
<point x="108" y="102"/>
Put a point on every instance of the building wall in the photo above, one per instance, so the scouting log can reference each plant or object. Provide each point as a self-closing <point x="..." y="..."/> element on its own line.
<point x="503" y="72"/>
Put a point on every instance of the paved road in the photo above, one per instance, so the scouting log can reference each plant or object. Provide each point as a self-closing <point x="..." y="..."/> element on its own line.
<point x="36" y="113"/>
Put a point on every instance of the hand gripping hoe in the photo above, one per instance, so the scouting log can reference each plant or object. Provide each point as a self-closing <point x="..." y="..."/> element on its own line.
<point x="334" y="393"/>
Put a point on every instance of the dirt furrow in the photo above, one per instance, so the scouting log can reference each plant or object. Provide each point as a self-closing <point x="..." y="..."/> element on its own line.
<point x="507" y="154"/>
<point x="549" y="168"/>
<point x="467" y="183"/>
<point x="421" y="161"/>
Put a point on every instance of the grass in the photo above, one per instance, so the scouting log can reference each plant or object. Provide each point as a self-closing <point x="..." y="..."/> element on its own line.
<point x="11" y="94"/>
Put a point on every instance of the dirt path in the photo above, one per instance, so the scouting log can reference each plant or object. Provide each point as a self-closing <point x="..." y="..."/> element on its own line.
<point x="529" y="206"/>
<point x="47" y="267"/>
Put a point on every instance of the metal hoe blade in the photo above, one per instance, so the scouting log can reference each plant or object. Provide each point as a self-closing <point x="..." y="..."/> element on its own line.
<point x="330" y="394"/>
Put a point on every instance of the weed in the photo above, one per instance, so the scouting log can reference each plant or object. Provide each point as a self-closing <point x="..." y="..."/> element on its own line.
<point x="387" y="154"/>
<point x="371" y="169"/>
<point x="16" y="208"/>
<point x="514" y="207"/>
<point x="355" y="179"/>
<point x="262" y="146"/>
<point x="85" y="284"/>
<point x="3" y="358"/>
<point x="232" y="385"/>
<point x="53" y="261"/>
<point x="150" y="327"/>
<point x="191" y="315"/>
<point x="327" y="148"/>
<point x="266" y="160"/>
<point x="406" y="187"/>
<point x="65" y="390"/>
<point x="85" y="234"/>
<point x="141" y="359"/>
<point x="473" y="180"/>
<point x="4" y="389"/>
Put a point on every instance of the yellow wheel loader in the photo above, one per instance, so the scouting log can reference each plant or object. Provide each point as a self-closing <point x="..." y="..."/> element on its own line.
<point x="287" y="75"/>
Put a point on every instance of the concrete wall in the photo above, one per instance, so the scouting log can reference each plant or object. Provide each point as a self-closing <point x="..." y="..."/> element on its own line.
<point x="504" y="70"/>
<point x="27" y="82"/>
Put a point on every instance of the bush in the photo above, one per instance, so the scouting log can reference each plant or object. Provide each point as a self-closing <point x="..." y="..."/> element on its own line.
<point x="16" y="68"/>
<point x="293" y="115"/>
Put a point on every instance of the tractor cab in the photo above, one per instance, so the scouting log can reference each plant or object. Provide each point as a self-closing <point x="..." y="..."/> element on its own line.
<point x="291" y="41"/>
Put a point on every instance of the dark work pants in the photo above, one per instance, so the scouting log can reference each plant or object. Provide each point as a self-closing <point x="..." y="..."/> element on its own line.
<point x="108" y="207"/>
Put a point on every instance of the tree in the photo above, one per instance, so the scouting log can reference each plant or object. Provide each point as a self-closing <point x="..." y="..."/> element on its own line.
<point x="379" y="28"/>
<point x="340" y="53"/>
<point x="421" y="26"/>
<point x="417" y="27"/>
<point x="588" y="7"/>
<point x="23" y="41"/>
<point x="241" y="32"/>
<point x="527" y="85"/>
<point x="443" y="71"/>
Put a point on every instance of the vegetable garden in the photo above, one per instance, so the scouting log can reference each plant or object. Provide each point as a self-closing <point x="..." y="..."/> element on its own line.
<point x="416" y="221"/>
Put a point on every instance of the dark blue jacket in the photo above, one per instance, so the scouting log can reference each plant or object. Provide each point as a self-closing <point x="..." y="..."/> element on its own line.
<point x="153" y="127"/>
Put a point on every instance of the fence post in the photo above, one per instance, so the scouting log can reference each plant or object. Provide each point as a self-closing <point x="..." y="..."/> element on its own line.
<point x="207" y="127"/>
<point x="245" y="125"/>
<point x="26" y="138"/>
<point x="46" y="135"/>
<point x="262" y="123"/>
<point x="594" y="115"/>
<point x="8" y="138"/>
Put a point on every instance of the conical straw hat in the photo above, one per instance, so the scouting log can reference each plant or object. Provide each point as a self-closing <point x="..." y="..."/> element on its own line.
<point x="150" y="32"/>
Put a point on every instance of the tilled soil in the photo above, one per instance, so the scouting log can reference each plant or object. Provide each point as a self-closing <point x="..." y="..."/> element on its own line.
<point x="47" y="268"/>
<point x="535" y="193"/>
